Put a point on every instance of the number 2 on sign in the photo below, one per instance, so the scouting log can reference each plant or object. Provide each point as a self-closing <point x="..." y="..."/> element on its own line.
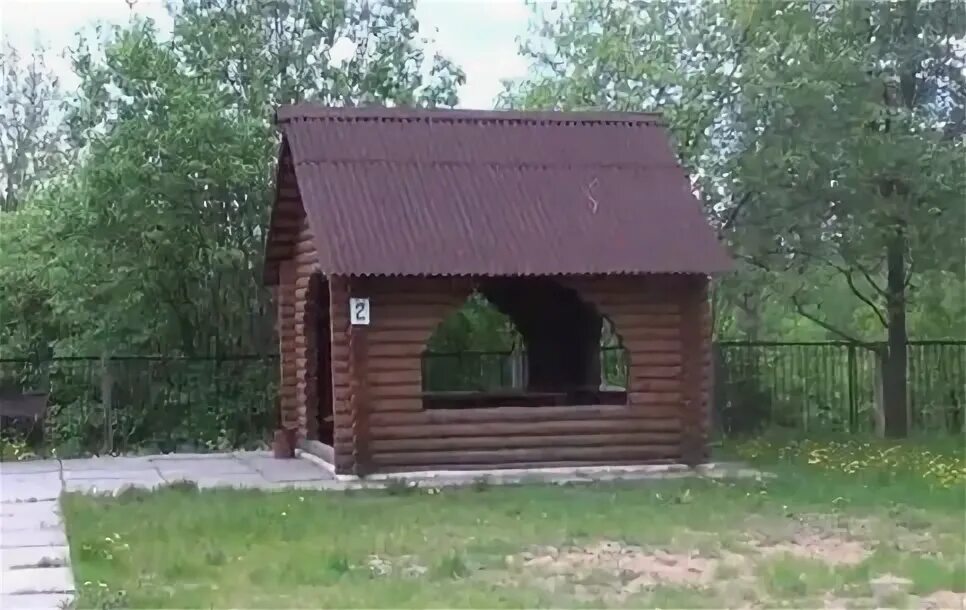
<point x="359" y="312"/>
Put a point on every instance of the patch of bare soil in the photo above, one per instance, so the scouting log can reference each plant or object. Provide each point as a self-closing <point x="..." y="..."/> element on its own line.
<point x="941" y="600"/>
<point x="825" y="547"/>
<point x="614" y="570"/>
<point x="938" y="600"/>
<point x="827" y="538"/>
<point x="404" y="565"/>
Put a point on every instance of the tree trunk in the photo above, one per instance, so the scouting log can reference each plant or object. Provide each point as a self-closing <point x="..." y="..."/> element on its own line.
<point x="894" y="363"/>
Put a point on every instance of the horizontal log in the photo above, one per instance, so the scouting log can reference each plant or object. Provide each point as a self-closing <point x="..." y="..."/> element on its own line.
<point x="426" y="323"/>
<point x="529" y="465"/>
<point x="307" y="265"/>
<point x="669" y="425"/>
<point x="654" y="320"/>
<point x="426" y="310"/>
<point x="395" y="404"/>
<point x="413" y="350"/>
<point x="415" y="297"/>
<point x="647" y="332"/>
<point x="638" y="357"/>
<point x="396" y="390"/>
<point x="411" y="377"/>
<point x="655" y="385"/>
<point x="642" y="371"/>
<point x="541" y="454"/>
<point x="423" y="285"/>
<point x="419" y="335"/>
<point x="522" y="414"/>
<point x="652" y="346"/>
<point x="654" y="398"/>
<point x="304" y="245"/>
<point x="395" y="364"/>
<point x="472" y="443"/>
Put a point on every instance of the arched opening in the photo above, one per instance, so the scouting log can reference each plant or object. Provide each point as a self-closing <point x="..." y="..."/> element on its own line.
<point x="321" y="330"/>
<point x="477" y="348"/>
<point x="613" y="364"/>
<point x="524" y="342"/>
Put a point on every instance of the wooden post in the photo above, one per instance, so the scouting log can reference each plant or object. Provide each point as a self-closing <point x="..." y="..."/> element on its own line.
<point x="107" y="397"/>
<point x="692" y="358"/>
<point x="359" y="386"/>
<point x="287" y="381"/>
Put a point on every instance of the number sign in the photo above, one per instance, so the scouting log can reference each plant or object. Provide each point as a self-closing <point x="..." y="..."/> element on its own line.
<point x="359" y="312"/>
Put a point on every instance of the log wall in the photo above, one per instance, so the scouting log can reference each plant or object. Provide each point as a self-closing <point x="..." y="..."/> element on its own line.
<point x="662" y="320"/>
<point x="298" y="295"/>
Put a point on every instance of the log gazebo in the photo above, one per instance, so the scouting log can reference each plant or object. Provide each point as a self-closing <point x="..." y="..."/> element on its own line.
<point x="386" y="220"/>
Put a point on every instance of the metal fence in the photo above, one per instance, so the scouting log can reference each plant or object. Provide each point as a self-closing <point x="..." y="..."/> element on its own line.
<point x="159" y="403"/>
<point x="150" y="403"/>
<point x="455" y="371"/>
<point x="833" y="386"/>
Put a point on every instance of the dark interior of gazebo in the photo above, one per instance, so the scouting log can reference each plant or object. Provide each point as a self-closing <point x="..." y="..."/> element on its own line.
<point x="558" y="362"/>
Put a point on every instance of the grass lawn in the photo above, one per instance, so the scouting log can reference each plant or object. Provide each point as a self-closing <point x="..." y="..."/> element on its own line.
<point x="815" y="535"/>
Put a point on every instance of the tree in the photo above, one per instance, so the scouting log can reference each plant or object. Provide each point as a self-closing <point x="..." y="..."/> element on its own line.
<point x="31" y="136"/>
<point x="855" y="144"/>
<point x="819" y="135"/>
<point x="157" y="238"/>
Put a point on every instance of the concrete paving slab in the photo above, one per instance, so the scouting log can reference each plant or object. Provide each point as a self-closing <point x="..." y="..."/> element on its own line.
<point x="34" y="557"/>
<point x="37" y="580"/>
<point x="174" y="457"/>
<point x="243" y="481"/>
<point x="252" y="455"/>
<point x="189" y="469"/>
<point x="18" y="524"/>
<point x="145" y="472"/>
<point x="37" y="601"/>
<point x="112" y="486"/>
<point x="30" y="487"/>
<point x="107" y="463"/>
<point x="48" y="536"/>
<point x="45" y="511"/>
<point x="29" y="466"/>
<point x="287" y="470"/>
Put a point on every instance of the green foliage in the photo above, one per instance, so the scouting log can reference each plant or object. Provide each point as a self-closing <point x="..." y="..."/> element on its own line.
<point x="154" y="242"/>
<point x="814" y="132"/>
<point x="476" y="326"/>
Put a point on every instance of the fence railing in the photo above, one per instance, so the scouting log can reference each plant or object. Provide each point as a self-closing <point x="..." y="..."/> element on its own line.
<point x="150" y="403"/>
<point x="159" y="403"/>
<point x="501" y="370"/>
<point x="833" y="386"/>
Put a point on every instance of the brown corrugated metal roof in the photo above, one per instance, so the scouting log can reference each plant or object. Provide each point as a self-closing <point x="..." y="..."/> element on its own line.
<point x="451" y="192"/>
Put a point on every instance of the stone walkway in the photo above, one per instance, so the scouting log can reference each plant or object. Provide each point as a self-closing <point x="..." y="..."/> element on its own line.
<point x="34" y="558"/>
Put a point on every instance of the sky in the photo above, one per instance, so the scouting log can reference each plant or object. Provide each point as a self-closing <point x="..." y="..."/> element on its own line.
<point x="479" y="35"/>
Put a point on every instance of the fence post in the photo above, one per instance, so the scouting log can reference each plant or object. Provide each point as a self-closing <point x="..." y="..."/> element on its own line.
<point x="853" y="375"/>
<point x="107" y="391"/>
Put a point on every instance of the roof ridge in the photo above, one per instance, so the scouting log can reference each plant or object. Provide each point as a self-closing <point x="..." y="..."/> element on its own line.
<point x="312" y="112"/>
